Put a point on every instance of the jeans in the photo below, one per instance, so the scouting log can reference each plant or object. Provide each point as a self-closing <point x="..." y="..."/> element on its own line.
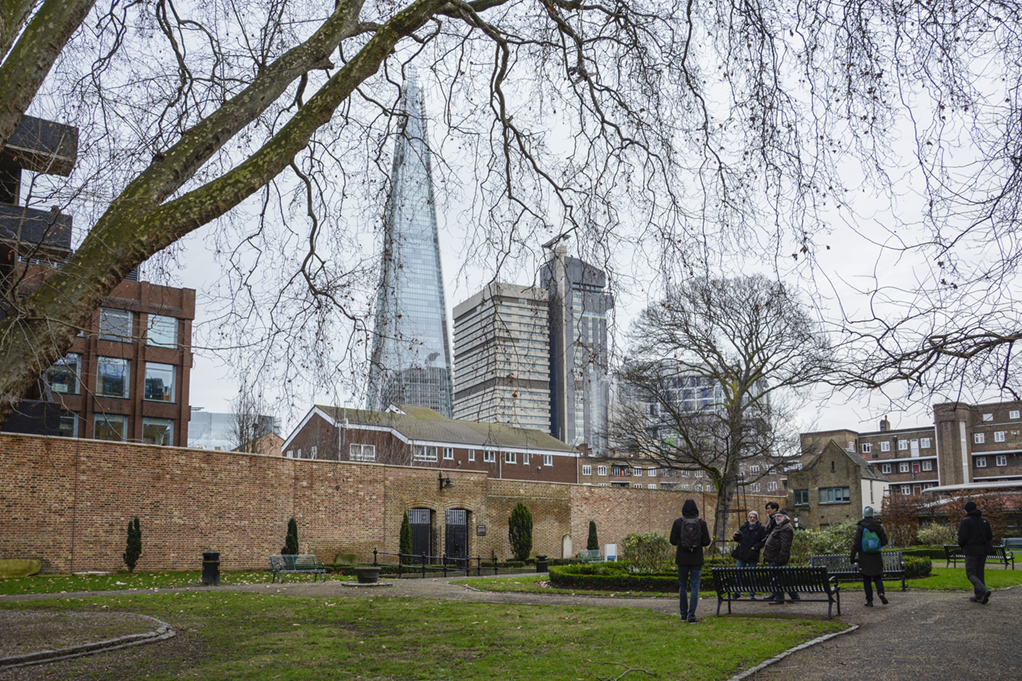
<point x="742" y="564"/>
<point x="867" y="584"/>
<point x="974" y="566"/>
<point x="688" y="580"/>
<point x="778" y="595"/>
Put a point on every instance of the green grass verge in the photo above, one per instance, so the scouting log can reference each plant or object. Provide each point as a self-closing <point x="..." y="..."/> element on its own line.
<point x="41" y="584"/>
<point x="953" y="579"/>
<point x="228" y="635"/>
<point x="534" y="584"/>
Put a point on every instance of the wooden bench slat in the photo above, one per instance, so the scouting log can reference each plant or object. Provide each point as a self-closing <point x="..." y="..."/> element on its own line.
<point x="837" y="564"/>
<point x="798" y="579"/>
<point x="1001" y="554"/>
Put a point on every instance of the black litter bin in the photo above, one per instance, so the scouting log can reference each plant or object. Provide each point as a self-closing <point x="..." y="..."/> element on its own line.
<point x="541" y="565"/>
<point x="211" y="568"/>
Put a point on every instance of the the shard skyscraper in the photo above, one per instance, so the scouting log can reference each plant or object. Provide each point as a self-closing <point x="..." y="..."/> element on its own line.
<point x="411" y="359"/>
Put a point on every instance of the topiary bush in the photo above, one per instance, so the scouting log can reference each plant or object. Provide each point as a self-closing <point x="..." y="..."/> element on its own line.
<point x="620" y="577"/>
<point x="917" y="567"/>
<point x="291" y="540"/>
<point x="592" y="543"/>
<point x="519" y="531"/>
<point x="405" y="538"/>
<point x="133" y="549"/>
<point x="647" y="553"/>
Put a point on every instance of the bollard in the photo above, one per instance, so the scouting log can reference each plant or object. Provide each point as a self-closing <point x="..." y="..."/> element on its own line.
<point x="541" y="564"/>
<point x="211" y="568"/>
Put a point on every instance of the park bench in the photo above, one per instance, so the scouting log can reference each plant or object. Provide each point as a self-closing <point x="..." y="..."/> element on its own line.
<point x="296" y="564"/>
<point x="593" y="556"/>
<point x="803" y="580"/>
<point x="1001" y="555"/>
<point x="1012" y="543"/>
<point x="838" y="565"/>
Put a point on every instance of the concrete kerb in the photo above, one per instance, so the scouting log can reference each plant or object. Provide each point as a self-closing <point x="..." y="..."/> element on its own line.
<point x="162" y="632"/>
<point x="777" y="658"/>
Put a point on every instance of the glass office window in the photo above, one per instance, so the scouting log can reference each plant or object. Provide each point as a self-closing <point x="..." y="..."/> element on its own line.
<point x="62" y="377"/>
<point x="112" y="377"/>
<point x="161" y="331"/>
<point x="114" y="325"/>
<point x="111" y="427"/>
<point x="159" y="382"/>
<point x="69" y="424"/>
<point x="157" y="431"/>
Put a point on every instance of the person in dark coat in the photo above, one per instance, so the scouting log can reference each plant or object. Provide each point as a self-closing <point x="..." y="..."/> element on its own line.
<point x="690" y="562"/>
<point x="974" y="536"/>
<point x="750" y="538"/>
<point x="777" y="551"/>
<point x="871" y="565"/>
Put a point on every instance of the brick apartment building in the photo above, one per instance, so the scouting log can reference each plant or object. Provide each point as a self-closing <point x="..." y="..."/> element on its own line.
<point x="421" y="437"/>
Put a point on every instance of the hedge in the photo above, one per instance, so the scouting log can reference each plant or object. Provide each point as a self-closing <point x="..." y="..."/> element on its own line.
<point x="617" y="577"/>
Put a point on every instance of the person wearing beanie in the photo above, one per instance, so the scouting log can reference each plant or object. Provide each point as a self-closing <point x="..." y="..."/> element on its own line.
<point x="690" y="534"/>
<point x="750" y="538"/>
<point x="871" y="564"/>
<point x="777" y="551"/>
<point x="976" y="539"/>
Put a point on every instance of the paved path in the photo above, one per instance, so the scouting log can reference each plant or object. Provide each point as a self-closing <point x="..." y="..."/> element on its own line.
<point x="919" y="636"/>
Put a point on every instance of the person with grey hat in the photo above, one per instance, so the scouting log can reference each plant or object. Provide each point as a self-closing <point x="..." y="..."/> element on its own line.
<point x="869" y="538"/>
<point x="977" y="540"/>
<point x="777" y="552"/>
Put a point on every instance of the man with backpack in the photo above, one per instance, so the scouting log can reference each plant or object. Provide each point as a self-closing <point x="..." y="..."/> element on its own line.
<point x="690" y="534"/>
<point x="869" y="539"/>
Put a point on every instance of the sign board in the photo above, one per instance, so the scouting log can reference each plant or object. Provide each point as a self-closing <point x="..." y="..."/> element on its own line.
<point x="481" y="530"/>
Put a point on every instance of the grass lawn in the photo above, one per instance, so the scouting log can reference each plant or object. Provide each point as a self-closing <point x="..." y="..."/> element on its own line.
<point x="953" y="579"/>
<point x="41" y="584"/>
<point x="225" y="635"/>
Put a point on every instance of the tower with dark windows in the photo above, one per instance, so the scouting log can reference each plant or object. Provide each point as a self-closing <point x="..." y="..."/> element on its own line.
<point x="411" y="358"/>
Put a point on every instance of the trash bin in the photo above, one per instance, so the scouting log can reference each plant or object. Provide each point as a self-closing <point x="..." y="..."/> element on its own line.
<point x="211" y="568"/>
<point x="541" y="565"/>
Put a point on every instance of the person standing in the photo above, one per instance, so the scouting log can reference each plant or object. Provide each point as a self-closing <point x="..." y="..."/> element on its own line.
<point x="777" y="552"/>
<point x="869" y="538"/>
<point x="772" y="508"/>
<point x="690" y="534"/>
<point x="975" y="537"/>
<point x="750" y="538"/>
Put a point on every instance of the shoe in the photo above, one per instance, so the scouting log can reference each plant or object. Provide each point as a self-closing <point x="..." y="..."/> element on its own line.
<point x="775" y="602"/>
<point x="795" y="598"/>
<point x="975" y="600"/>
<point x="684" y="617"/>
<point x="869" y="604"/>
<point x="986" y="598"/>
<point x="752" y="597"/>
<point x="693" y="620"/>
<point x="883" y="599"/>
<point x="735" y="597"/>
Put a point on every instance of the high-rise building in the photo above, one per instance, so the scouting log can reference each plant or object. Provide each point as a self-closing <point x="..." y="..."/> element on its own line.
<point x="502" y="357"/>
<point x="579" y="381"/>
<point x="411" y="359"/>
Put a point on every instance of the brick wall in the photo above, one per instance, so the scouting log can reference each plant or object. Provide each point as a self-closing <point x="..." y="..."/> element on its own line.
<point x="69" y="502"/>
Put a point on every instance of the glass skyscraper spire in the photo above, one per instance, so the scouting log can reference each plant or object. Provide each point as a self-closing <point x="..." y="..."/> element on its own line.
<point x="411" y="360"/>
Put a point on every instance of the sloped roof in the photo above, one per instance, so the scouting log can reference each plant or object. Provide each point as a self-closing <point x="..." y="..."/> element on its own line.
<point x="420" y="424"/>
<point x="860" y="462"/>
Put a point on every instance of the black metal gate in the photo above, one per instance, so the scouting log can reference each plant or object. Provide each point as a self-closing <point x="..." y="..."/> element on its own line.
<point x="456" y="536"/>
<point x="420" y="521"/>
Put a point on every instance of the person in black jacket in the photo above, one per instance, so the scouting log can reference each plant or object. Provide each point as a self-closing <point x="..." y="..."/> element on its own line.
<point x="750" y="538"/>
<point x="871" y="565"/>
<point x="689" y="561"/>
<point x="777" y="552"/>
<point x="975" y="536"/>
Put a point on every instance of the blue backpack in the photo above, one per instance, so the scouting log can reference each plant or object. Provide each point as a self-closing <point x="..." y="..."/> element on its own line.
<point x="870" y="541"/>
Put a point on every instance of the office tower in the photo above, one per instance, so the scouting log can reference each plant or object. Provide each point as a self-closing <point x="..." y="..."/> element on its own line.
<point x="579" y="382"/>
<point x="502" y="357"/>
<point x="411" y="359"/>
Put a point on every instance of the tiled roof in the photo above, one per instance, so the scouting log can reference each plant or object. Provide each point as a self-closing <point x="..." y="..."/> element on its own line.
<point x="421" y="424"/>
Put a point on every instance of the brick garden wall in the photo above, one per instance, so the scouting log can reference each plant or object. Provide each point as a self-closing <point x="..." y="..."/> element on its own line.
<point x="69" y="502"/>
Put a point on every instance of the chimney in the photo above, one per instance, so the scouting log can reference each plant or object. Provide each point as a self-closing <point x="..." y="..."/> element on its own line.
<point x="885" y="425"/>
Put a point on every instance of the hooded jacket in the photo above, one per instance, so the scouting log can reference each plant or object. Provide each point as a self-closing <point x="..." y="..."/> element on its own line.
<point x="750" y="538"/>
<point x="683" y="556"/>
<point x="777" y="548"/>
<point x="974" y="534"/>
<point x="870" y="564"/>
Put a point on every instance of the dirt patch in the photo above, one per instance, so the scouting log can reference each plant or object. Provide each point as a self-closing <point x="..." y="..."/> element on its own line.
<point x="34" y="630"/>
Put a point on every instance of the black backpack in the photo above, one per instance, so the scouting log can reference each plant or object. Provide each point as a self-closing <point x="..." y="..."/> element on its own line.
<point x="691" y="534"/>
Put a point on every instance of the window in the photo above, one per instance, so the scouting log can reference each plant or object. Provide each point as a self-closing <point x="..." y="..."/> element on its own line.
<point x="111" y="427"/>
<point x="650" y="486"/>
<point x="587" y="470"/>
<point x="637" y="485"/>
<point x="636" y="472"/>
<point x="981" y="462"/>
<point x="290" y="454"/>
<point x="157" y="431"/>
<point x="159" y="382"/>
<point x="686" y="487"/>
<point x="114" y="325"/>
<point x="835" y="495"/>
<point x="754" y="469"/>
<point x="525" y="458"/>
<point x="771" y="487"/>
<point x="471" y="455"/>
<point x="885" y="446"/>
<point x="903" y="468"/>
<point x="489" y="456"/>
<point x="548" y="459"/>
<point x="885" y="468"/>
<point x="62" y="377"/>
<point x="801" y="497"/>
<point x="988" y="417"/>
<point x="924" y="443"/>
<point x="161" y="331"/>
<point x="601" y="470"/>
<point x="927" y="465"/>
<point x="906" y="490"/>
<point x="686" y="474"/>
<point x="602" y="484"/>
<point x="112" y="376"/>
<point x="998" y="436"/>
<point x="424" y="453"/>
<point x="867" y="447"/>
<point x="652" y="472"/>
<point x="448" y="453"/>
<point x="68" y="425"/>
<point x="978" y="438"/>
<point x="510" y="457"/>
<point x="1013" y="414"/>
<point x="902" y="445"/>
<point x="313" y="451"/>
<point x="755" y="487"/>
<point x="361" y="452"/>
<point x="1001" y="460"/>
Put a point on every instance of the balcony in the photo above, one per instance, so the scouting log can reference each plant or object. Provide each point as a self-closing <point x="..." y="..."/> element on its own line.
<point x="36" y="233"/>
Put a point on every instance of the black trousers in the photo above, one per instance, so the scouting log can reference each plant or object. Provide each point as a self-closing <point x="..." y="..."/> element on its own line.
<point x="867" y="584"/>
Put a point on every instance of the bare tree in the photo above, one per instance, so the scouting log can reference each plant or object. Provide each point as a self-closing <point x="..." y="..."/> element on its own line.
<point x="251" y="419"/>
<point x="715" y="360"/>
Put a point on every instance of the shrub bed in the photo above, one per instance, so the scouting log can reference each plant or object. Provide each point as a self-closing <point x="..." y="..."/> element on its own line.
<point x="619" y="577"/>
<point x="917" y="567"/>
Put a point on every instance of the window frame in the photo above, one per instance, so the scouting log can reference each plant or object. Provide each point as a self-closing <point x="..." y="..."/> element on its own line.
<point x="548" y="460"/>
<point x="69" y="365"/>
<point x="106" y="418"/>
<point x="998" y="436"/>
<point x="980" y="462"/>
<point x="155" y="322"/>
<point x="885" y="469"/>
<point x="424" y="453"/>
<point x="801" y="497"/>
<point x="601" y="470"/>
<point x="1001" y="460"/>
<point x="511" y="458"/>
<point x="834" y="495"/>
<point x="113" y="334"/>
<point x="100" y="385"/>
<point x="149" y="421"/>
<point x="979" y="438"/>
<point x="867" y="447"/>
<point x="587" y="469"/>
<point x="362" y="456"/>
<point x="885" y="446"/>
<point x="172" y="392"/>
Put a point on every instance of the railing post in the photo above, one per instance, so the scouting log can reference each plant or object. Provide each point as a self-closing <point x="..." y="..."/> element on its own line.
<point x="423" y="557"/>
<point x="374" y="557"/>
